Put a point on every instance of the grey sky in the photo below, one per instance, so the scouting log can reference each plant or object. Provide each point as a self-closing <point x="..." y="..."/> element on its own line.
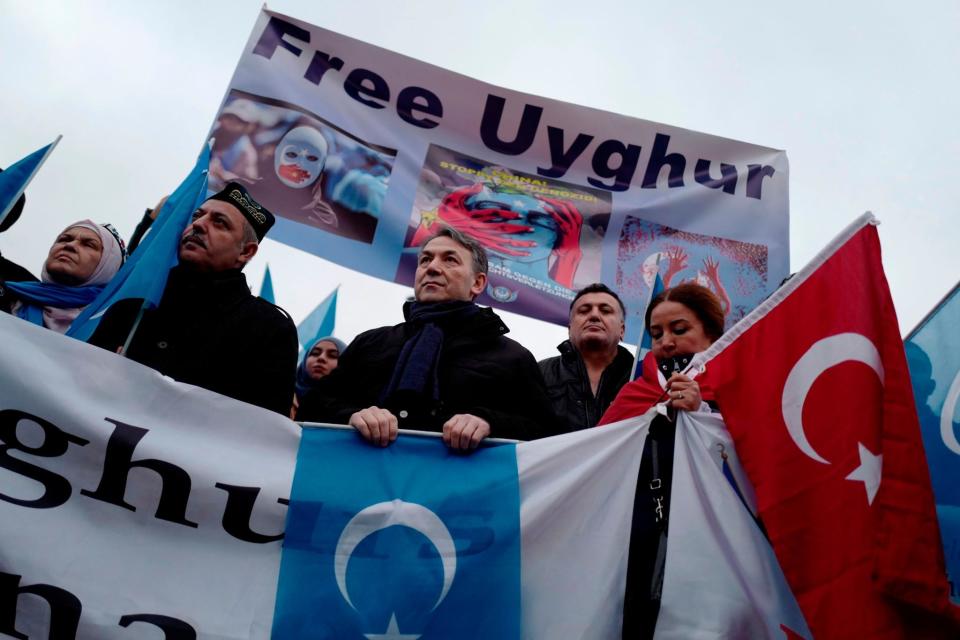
<point x="861" y="95"/>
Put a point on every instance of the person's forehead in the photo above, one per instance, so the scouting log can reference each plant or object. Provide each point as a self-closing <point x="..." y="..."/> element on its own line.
<point x="82" y="232"/>
<point x="670" y="311"/>
<point x="596" y="298"/>
<point x="326" y="345"/>
<point x="444" y="245"/>
<point x="219" y="206"/>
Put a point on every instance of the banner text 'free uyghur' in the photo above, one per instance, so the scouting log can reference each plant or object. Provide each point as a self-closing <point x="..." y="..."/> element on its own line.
<point x="362" y="153"/>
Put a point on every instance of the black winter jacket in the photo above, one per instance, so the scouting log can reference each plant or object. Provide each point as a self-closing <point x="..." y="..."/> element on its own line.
<point x="480" y="373"/>
<point x="210" y="331"/>
<point x="569" y="387"/>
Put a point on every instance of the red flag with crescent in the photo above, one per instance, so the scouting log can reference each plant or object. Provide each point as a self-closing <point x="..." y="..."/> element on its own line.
<point x="814" y="388"/>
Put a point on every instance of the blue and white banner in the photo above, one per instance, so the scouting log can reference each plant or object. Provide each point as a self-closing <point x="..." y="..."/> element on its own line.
<point x="362" y="152"/>
<point x="131" y="504"/>
<point x="933" y="354"/>
<point x="404" y="537"/>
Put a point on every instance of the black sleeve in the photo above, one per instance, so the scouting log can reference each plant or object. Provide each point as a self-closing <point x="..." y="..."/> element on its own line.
<point x="276" y="372"/>
<point x="12" y="272"/>
<point x="115" y="325"/>
<point x="145" y="222"/>
<point x="523" y="411"/>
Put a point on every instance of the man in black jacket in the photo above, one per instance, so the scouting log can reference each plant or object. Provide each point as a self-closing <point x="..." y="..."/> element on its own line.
<point x="208" y="330"/>
<point x="592" y="366"/>
<point x="448" y="368"/>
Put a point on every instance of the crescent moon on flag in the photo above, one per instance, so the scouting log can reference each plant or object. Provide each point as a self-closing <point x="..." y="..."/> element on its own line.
<point x="946" y="416"/>
<point x="825" y="353"/>
<point x="387" y="514"/>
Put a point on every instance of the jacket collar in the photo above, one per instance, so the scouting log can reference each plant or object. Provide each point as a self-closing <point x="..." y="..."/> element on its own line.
<point x="570" y="355"/>
<point x="185" y="284"/>
<point x="483" y="323"/>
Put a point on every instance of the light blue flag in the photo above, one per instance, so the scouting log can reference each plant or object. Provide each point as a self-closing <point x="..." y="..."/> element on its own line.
<point x="16" y="177"/>
<point x="933" y="354"/>
<point x="144" y="275"/>
<point x="321" y="321"/>
<point x="646" y="342"/>
<point x="266" y="289"/>
<point x="407" y="541"/>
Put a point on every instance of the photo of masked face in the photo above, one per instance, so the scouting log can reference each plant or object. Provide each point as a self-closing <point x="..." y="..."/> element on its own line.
<point x="300" y="157"/>
<point x="306" y="170"/>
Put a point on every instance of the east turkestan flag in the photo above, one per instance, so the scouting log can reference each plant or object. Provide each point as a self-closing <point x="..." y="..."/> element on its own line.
<point x="933" y="353"/>
<point x="144" y="274"/>
<point x="15" y="178"/>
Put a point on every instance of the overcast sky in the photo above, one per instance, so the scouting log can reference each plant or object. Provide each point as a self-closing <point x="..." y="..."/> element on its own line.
<point x="862" y="95"/>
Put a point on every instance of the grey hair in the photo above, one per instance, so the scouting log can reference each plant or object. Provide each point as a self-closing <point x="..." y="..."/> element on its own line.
<point x="477" y="252"/>
<point x="249" y="235"/>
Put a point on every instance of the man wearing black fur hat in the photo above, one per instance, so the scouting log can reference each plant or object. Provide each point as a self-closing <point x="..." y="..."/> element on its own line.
<point x="208" y="329"/>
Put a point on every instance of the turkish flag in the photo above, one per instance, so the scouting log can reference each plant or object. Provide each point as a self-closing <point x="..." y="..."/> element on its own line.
<point x="814" y="388"/>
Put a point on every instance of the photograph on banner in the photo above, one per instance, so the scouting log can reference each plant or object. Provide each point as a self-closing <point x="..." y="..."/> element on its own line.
<point x="737" y="272"/>
<point x="540" y="234"/>
<point x="299" y="166"/>
<point x="383" y="147"/>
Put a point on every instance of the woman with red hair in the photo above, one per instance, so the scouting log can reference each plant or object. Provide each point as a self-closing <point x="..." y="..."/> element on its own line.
<point x="682" y="321"/>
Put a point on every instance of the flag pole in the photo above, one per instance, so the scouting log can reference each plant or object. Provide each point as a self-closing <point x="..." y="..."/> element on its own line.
<point x="637" y="357"/>
<point x="406" y="432"/>
<point x="133" y="329"/>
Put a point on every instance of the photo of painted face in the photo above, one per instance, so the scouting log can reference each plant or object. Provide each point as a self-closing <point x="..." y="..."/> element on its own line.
<point x="542" y="229"/>
<point x="527" y="234"/>
<point x="537" y="231"/>
<point x="302" y="168"/>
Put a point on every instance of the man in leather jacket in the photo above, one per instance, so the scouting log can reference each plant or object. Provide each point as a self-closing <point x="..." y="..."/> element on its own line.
<point x="592" y="366"/>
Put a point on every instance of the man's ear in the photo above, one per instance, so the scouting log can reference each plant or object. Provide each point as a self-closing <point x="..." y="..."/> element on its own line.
<point x="623" y="329"/>
<point x="246" y="254"/>
<point x="479" y="284"/>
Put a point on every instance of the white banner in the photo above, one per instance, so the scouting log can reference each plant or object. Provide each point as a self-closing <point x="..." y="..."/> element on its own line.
<point x="362" y="152"/>
<point x="93" y="538"/>
<point x="135" y="506"/>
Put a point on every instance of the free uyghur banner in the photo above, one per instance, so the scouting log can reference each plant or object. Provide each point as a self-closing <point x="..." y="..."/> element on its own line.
<point x="362" y="153"/>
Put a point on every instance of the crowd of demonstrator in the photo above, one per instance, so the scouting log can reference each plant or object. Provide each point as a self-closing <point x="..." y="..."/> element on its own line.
<point x="447" y="368"/>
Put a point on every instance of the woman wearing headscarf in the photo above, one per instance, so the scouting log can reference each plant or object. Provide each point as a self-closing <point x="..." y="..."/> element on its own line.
<point x="318" y="361"/>
<point x="83" y="258"/>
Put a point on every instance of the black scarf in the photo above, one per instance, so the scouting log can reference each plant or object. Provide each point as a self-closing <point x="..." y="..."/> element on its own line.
<point x="415" y="373"/>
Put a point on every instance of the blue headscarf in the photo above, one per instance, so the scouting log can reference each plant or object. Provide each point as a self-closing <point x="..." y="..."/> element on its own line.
<point x="34" y="296"/>
<point x="304" y="381"/>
